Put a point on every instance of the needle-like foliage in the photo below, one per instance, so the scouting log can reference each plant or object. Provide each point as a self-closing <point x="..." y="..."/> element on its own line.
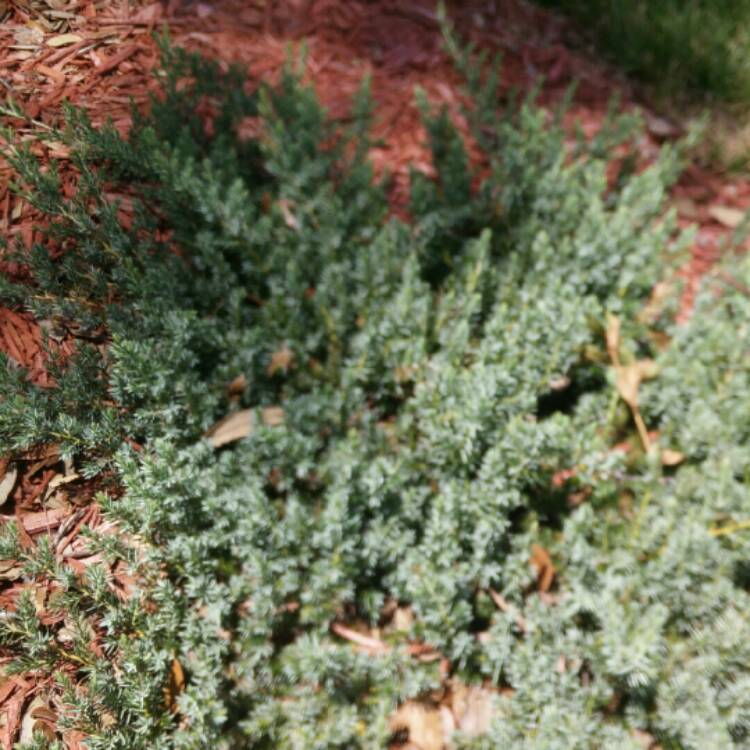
<point x="436" y="379"/>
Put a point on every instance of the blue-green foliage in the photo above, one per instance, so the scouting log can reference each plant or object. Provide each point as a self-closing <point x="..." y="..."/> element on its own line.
<point x="423" y="424"/>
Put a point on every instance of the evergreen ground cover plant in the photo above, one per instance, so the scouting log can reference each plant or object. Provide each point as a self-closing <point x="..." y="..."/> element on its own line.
<point x="415" y="393"/>
<point x="681" y="46"/>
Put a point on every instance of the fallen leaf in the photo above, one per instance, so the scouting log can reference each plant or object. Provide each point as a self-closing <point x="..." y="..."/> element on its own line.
<point x="403" y="619"/>
<point x="629" y="377"/>
<point x="449" y="721"/>
<point x="366" y="642"/>
<point x="59" y="480"/>
<point x="289" y="218"/>
<point x="272" y="416"/>
<point x="541" y="560"/>
<point x="10" y="570"/>
<point x="234" y="426"/>
<point x="423" y="724"/>
<point x="175" y="685"/>
<point x="559" y="383"/>
<point x="240" y="424"/>
<point x="8" y="483"/>
<point x="627" y="380"/>
<point x="613" y="339"/>
<point x="729" y="217"/>
<point x="237" y="386"/>
<point x="661" y="127"/>
<point x="662" y="292"/>
<point x="646" y="740"/>
<point x="472" y="708"/>
<point x="671" y="458"/>
<point x="31" y="723"/>
<point x="281" y="360"/>
<point x="62" y="40"/>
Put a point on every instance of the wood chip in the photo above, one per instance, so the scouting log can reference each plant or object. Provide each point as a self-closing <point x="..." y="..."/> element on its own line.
<point x="112" y="62"/>
<point x="43" y="520"/>
<point x="56" y="75"/>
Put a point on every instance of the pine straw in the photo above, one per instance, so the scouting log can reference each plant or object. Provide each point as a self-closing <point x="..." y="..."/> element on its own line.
<point x="106" y="58"/>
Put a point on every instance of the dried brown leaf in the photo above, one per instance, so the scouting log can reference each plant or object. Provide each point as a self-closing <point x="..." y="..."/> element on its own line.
<point x="63" y="40"/>
<point x="31" y="723"/>
<point x="661" y="127"/>
<point x="366" y="642"/>
<point x="282" y="359"/>
<point x="174" y="686"/>
<point x="559" y="383"/>
<point x="233" y="427"/>
<point x="660" y="294"/>
<point x="726" y="215"/>
<point x="613" y="339"/>
<point x="541" y="560"/>
<point x="59" y="480"/>
<point x="671" y="458"/>
<point x="473" y="708"/>
<point x="629" y="377"/>
<point x="237" y="386"/>
<point x="403" y="619"/>
<point x="240" y="424"/>
<point x="289" y="218"/>
<point x="272" y="416"/>
<point x="422" y="722"/>
<point x="8" y="483"/>
<point x="10" y="570"/>
<point x="36" y="719"/>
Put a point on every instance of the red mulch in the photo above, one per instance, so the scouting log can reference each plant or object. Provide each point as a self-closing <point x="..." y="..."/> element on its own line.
<point x="101" y="54"/>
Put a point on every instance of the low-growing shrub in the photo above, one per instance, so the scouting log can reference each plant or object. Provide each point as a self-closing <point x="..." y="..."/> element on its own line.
<point x="417" y="391"/>
<point x="695" y="47"/>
